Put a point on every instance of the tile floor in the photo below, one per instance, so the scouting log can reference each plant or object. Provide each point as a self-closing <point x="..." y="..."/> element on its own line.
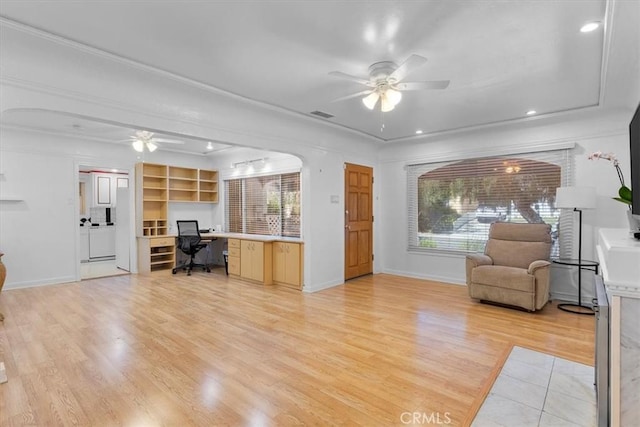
<point x="537" y="389"/>
<point x="92" y="270"/>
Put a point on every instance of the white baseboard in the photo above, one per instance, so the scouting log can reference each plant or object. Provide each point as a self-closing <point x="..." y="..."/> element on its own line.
<point x="322" y="286"/>
<point x="36" y="283"/>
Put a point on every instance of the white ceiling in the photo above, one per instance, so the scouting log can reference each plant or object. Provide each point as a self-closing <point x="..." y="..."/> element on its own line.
<point x="102" y="131"/>
<point x="503" y="58"/>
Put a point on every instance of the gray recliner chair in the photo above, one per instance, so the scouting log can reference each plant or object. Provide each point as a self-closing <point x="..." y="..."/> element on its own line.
<point x="514" y="269"/>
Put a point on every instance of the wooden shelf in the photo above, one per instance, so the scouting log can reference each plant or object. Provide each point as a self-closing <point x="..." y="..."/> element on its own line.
<point x="154" y="227"/>
<point x="208" y="186"/>
<point x="153" y="170"/>
<point x="183" y="195"/>
<point x="184" y="173"/>
<point x="208" y="175"/>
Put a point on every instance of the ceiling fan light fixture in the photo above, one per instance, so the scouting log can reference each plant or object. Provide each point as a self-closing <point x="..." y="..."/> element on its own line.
<point x="386" y="105"/>
<point x="151" y="146"/>
<point x="371" y="100"/>
<point x="209" y="145"/>
<point x="138" y="145"/>
<point x="393" y="96"/>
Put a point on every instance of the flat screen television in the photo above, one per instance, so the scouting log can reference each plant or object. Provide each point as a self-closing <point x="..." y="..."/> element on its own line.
<point x="634" y="144"/>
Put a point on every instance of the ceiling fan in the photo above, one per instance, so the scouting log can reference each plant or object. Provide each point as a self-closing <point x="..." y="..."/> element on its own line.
<point x="142" y="138"/>
<point x="386" y="84"/>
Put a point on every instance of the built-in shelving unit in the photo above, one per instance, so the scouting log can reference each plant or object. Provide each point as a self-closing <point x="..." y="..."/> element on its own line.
<point x="152" y="199"/>
<point x="160" y="184"/>
<point x="208" y="186"/>
<point x="183" y="184"/>
<point x="157" y="186"/>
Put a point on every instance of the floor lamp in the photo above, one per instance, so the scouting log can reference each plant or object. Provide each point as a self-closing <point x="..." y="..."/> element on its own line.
<point x="577" y="198"/>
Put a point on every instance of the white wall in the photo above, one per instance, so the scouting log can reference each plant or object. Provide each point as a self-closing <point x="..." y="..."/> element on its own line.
<point x="47" y="73"/>
<point x="597" y="131"/>
<point x="50" y="74"/>
<point x="42" y="170"/>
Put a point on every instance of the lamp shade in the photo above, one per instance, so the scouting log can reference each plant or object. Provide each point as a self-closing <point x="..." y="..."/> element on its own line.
<point x="371" y="100"/>
<point x="575" y="197"/>
<point x="138" y="145"/>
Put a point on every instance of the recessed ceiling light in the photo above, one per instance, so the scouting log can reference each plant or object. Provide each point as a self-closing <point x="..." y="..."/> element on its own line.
<point x="531" y="112"/>
<point x="590" y="26"/>
<point x="419" y="132"/>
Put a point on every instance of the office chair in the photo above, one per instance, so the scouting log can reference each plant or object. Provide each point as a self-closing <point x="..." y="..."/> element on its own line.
<point x="190" y="243"/>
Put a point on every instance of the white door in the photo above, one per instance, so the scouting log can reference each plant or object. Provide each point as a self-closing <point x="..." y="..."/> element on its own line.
<point x="123" y="231"/>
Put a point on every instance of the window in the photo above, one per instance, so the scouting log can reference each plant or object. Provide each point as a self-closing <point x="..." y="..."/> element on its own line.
<point x="452" y="204"/>
<point x="267" y="205"/>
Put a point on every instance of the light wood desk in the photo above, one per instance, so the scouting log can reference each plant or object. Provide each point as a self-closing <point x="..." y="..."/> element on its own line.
<point x="253" y="257"/>
<point x="159" y="252"/>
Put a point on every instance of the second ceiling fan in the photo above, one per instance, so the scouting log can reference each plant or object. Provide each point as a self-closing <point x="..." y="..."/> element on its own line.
<point x="385" y="83"/>
<point x="142" y="138"/>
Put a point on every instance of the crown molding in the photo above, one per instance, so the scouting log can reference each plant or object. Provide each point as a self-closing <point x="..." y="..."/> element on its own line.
<point x="91" y="50"/>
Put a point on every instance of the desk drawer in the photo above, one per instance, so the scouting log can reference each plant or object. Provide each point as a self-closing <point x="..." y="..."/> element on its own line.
<point x="234" y="265"/>
<point x="234" y="252"/>
<point x="162" y="241"/>
<point x="233" y="243"/>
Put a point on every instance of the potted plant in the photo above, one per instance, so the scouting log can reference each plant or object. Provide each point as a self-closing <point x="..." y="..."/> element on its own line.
<point x="624" y="193"/>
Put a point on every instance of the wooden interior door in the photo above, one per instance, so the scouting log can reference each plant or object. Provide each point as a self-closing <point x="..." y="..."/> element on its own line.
<point x="358" y="227"/>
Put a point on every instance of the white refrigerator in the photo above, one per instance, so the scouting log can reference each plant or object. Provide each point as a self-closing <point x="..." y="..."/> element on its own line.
<point x="123" y="229"/>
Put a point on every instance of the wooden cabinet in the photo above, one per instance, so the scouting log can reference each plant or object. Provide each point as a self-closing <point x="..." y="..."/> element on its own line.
<point x="287" y="264"/>
<point x="233" y="247"/>
<point x="266" y="262"/>
<point x="156" y="253"/>
<point x="251" y="260"/>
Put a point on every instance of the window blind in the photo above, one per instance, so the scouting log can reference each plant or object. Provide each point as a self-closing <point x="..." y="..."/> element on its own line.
<point x="452" y="204"/>
<point x="268" y="205"/>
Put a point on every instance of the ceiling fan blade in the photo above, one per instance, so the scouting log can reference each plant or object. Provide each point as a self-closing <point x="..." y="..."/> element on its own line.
<point x="411" y="63"/>
<point x="360" y="80"/>
<point x="435" y="84"/>
<point x="167" y="141"/>
<point x="353" y="95"/>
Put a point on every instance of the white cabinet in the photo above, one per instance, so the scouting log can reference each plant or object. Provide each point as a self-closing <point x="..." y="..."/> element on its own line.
<point x="84" y="244"/>
<point x="619" y="256"/>
<point x="102" y="242"/>
<point x="104" y="187"/>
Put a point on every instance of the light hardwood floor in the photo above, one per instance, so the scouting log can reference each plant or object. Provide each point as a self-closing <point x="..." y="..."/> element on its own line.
<point x="208" y="350"/>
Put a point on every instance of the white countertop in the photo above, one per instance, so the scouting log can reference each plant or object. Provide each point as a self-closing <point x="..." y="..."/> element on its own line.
<point x="254" y="237"/>
<point x="619" y="256"/>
